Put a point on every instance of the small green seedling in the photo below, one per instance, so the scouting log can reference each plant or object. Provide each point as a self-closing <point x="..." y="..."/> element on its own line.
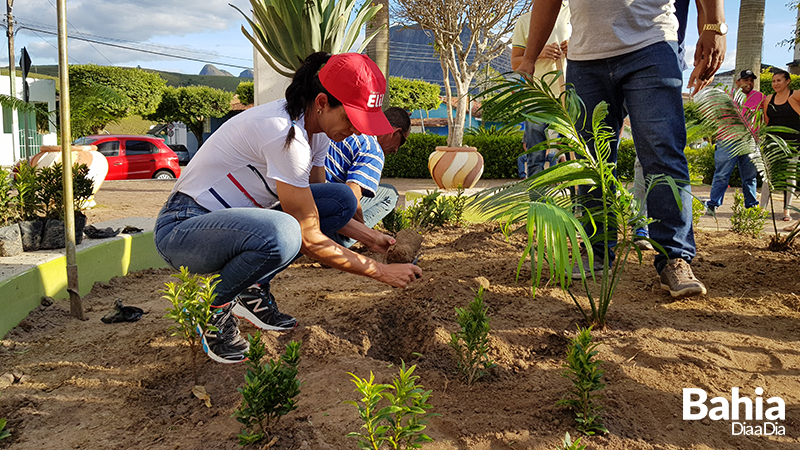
<point x="584" y="372"/>
<point x="698" y="209"/>
<point x="191" y="308"/>
<point x="399" y="424"/>
<point x="471" y="343"/>
<point x="747" y="221"/>
<point x="568" y="444"/>
<point x="269" y="391"/>
<point x="3" y="432"/>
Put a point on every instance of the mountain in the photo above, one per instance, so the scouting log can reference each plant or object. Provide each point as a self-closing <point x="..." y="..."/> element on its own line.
<point x="247" y="73"/>
<point x="209" y="69"/>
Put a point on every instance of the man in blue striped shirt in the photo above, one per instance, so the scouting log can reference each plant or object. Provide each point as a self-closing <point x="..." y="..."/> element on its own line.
<point x="358" y="161"/>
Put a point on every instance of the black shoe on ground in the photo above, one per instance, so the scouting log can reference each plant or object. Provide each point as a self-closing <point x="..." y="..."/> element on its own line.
<point x="257" y="306"/>
<point x="225" y="345"/>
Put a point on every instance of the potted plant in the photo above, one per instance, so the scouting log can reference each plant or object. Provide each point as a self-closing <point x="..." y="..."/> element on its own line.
<point x="50" y="195"/>
<point x="28" y="206"/>
<point x="10" y="238"/>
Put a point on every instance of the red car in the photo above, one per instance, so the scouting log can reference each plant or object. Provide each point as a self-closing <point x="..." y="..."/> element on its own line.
<point x="135" y="157"/>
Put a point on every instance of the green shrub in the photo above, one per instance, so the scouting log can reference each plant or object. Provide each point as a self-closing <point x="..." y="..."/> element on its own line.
<point x="471" y="342"/>
<point x="25" y="182"/>
<point x="269" y="391"/>
<point x="499" y="155"/>
<point x="398" y="425"/>
<point x="9" y="211"/>
<point x="191" y="308"/>
<point x="584" y="372"/>
<point x="747" y="221"/>
<point x="396" y="220"/>
<point x="626" y="158"/>
<point x="50" y="190"/>
<point x="411" y="160"/>
<point x="246" y="93"/>
<point x="701" y="163"/>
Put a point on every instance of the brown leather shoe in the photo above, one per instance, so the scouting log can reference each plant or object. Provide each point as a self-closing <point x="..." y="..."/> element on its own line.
<point x="678" y="279"/>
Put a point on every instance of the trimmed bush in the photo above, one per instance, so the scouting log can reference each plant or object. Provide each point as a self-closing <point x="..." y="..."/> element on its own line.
<point x="626" y="158"/>
<point x="701" y="163"/>
<point x="411" y="160"/>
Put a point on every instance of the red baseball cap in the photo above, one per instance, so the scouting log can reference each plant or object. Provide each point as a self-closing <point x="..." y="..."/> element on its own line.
<point x="358" y="83"/>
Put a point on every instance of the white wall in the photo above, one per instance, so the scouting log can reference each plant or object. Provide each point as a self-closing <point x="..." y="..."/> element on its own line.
<point x="41" y="90"/>
<point x="268" y="85"/>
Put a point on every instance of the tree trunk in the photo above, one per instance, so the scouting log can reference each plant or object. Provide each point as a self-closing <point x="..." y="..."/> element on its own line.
<point x="378" y="48"/>
<point x="750" y="38"/>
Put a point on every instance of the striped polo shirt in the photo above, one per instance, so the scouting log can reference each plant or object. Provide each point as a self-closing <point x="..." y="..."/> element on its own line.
<point x="358" y="159"/>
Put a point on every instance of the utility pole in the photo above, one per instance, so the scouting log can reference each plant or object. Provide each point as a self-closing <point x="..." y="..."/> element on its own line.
<point x="11" y="76"/>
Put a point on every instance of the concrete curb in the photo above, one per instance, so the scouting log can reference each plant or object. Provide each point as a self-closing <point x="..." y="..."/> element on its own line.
<point x="25" y="279"/>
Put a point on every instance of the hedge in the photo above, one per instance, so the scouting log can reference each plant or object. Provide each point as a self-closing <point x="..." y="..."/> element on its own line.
<point x="411" y="160"/>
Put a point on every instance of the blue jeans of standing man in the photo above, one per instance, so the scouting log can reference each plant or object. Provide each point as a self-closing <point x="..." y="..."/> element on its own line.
<point x="724" y="163"/>
<point x="244" y="245"/>
<point x="373" y="209"/>
<point x="648" y="82"/>
<point x="534" y="134"/>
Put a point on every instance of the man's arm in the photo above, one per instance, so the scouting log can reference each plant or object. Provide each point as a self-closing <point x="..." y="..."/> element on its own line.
<point x="543" y="18"/>
<point x="317" y="175"/>
<point x="711" y="46"/>
<point x="356" y="188"/>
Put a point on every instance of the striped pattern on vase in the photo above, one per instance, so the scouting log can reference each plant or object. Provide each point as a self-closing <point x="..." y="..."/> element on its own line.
<point x="452" y="167"/>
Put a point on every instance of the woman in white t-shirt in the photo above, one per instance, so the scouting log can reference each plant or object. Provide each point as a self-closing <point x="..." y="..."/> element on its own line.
<point x="253" y="197"/>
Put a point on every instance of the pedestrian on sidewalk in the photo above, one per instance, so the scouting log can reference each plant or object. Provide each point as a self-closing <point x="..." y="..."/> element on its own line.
<point x="724" y="161"/>
<point x="783" y="109"/>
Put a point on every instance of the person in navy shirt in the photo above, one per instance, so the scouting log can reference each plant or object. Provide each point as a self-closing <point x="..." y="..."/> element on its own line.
<point x="358" y="162"/>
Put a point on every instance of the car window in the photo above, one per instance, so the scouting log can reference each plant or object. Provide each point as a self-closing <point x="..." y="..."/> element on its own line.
<point x="134" y="147"/>
<point x="84" y="141"/>
<point x="110" y="148"/>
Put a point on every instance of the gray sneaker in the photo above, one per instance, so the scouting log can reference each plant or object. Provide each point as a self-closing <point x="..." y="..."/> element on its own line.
<point x="225" y="345"/>
<point x="643" y="244"/>
<point x="678" y="279"/>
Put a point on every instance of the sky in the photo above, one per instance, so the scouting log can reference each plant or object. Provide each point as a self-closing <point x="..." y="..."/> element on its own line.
<point x="210" y="31"/>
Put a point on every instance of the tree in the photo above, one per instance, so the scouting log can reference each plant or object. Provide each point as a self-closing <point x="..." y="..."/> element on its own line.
<point x="285" y="32"/>
<point x="467" y="35"/>
<point x="192" y="105"/>
<point x="750" y="37"/>
<point x="378" y="48"/>
<point x="103" y="94"/>
<point x="413" y="94"/>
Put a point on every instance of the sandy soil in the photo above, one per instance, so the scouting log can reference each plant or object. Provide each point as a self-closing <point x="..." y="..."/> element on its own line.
<point x="95" y="386"/>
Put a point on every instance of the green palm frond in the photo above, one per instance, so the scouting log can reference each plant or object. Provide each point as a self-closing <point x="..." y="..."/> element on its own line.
<point x="748" y="135"/>
<point x="6" y="101"/>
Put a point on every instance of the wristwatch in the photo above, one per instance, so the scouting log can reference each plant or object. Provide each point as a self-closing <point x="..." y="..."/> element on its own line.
<point x="720" y="28"/>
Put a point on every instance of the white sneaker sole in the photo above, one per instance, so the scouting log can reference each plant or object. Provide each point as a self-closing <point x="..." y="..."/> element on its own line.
<point x="686" y="292"/>
<point x="243" y="313"/>
<point x="216" y="357"/>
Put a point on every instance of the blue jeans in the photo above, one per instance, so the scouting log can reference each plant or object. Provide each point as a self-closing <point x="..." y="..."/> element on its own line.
<point x="648" y="83"/>
<point x="724" y="163"/>
<point x="244" y="245"/>
<point x="534" y="134"/>
<point x="374" y="209"/>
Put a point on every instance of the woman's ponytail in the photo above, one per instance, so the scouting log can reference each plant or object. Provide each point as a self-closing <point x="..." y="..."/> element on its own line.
<point x="304" y="88"/>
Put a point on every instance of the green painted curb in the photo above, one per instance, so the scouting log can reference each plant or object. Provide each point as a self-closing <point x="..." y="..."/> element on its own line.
<point x="22" y="293"/>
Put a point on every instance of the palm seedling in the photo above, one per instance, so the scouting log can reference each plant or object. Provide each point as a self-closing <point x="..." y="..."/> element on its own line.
<point x="747" y="134"/>
<point x="544" y="201"/>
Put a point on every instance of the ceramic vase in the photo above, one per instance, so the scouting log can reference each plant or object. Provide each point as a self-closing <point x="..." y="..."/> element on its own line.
<point x="81" y="154"/>
<point x="452" y="167"/>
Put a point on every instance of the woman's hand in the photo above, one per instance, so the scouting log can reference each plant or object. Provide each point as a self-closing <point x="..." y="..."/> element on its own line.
<point x="382" y="243"/>
<point x="551" y="51"/>
<point x="398" y="275"/>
